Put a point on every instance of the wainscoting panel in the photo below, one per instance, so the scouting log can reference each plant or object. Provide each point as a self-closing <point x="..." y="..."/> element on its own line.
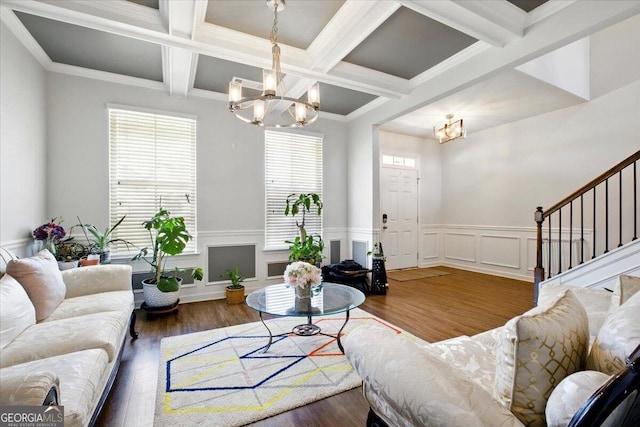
<point x="226" y="257"/>
<point x="430" y="246"/>
<point x="460" y="246"/>
<point x="503" y="251"/>
<point x="359" y="251"/>
<point x="334" y="252"/>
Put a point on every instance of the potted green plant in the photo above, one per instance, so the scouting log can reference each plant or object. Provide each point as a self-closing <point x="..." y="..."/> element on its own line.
<point x="235" y="291"/>
<point x="101" y="241"/>
<point x="69" y="253"/>
<point x="309" y="250"/>
<point x="169" y="237"/>
<point x="304" y="247"/>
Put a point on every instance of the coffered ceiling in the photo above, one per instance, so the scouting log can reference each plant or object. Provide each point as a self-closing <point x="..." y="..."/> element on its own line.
<point x="363" y="52"/>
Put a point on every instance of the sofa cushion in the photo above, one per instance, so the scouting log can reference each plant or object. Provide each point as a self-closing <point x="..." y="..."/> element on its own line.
<point x="626" y="287"/>
<point x="571" y="394"/>
<point x="16" y="311"/>
<point x="82" y="377"/>
<point x="469" y="355"/>
<point x="90" y="304"/>
<point x="27" y="388"/>
<point x="100" y="330"/>
<point x="407" y="386"/>
<point x="6" y="255"/>
<point x="536" y="351"/>
<point x="618" y="337"/>
<point x="41" y="278"/>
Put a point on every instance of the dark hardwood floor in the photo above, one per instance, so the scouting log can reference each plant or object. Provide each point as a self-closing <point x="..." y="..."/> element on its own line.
<point x="434" y="309"/>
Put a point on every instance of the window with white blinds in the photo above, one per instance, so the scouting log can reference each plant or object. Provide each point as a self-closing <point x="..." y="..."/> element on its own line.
<point x="293" y="164"/>
<point x="152" y="164"/>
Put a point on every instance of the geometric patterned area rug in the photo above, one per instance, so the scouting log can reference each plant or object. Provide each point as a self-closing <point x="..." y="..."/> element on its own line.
<point x="414" y="274"/>
<point x="221" y="377"/>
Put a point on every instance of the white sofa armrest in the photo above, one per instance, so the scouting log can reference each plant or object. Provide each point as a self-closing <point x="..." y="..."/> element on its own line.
<point x="407" y="386"/>
<point x="96" y="279"/>
<point x="31" y="389"/>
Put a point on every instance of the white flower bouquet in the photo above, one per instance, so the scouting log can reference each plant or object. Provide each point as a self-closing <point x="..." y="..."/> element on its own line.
<point x="301" y="274"/>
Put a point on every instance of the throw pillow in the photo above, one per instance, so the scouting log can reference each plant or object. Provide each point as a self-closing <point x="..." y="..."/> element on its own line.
<point x="5" y="256"/>
<point x="626" y="287"/>
<point x="618" y="337"/>
<point x="40" y="277"/>
<point x="16" y="311"/>
<point x="571" y="394"/>
<point x="595" y="301"/>
<point x="536" y="351"/>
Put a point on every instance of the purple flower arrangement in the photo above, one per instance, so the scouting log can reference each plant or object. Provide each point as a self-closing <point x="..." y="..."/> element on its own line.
<point x="49" y="231"/>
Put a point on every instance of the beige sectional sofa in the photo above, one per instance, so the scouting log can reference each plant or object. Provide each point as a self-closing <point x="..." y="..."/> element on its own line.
<point x="536" y="370"/>
<point x="62" y="334"/>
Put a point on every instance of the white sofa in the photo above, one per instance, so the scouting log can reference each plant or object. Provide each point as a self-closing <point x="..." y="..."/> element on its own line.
<point x="65" y="350"/>
<point x="536" y="370"/>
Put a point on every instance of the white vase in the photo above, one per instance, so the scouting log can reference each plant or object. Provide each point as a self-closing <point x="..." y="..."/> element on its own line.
<point x="154" y="297"/>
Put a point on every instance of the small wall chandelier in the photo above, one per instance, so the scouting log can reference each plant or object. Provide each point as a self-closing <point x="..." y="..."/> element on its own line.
<point x="267" y="108"/>
<point x="450" y="130"/>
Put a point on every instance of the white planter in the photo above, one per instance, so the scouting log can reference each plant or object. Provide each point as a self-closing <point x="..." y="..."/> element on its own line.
<point x="67" y="265"/>
<point x="154" y="297"/>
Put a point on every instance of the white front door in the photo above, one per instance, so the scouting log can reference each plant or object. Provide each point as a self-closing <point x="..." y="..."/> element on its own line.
<point x="399" y="223"/>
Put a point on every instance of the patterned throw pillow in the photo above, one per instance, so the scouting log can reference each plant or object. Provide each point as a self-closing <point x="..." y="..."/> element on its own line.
<point x="536" y="351"/>
<point x="618" y="337"/>
<point x="40" y="276"/>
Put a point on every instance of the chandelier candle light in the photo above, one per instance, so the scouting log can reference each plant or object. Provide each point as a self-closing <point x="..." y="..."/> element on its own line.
<point x="450" y="130"/>
<point x="274" y="92"/>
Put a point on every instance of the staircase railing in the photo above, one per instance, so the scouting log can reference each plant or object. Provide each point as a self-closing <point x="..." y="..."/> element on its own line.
<point x="566" y="248"/>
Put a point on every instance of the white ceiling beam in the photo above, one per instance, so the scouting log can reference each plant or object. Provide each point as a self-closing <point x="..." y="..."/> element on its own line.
<point x="239" y="47"/>
<point x="494" y="23"/>
<point x="131" y="20"/>
<point x="178" y="64"/>
<point x="353" y="23"/>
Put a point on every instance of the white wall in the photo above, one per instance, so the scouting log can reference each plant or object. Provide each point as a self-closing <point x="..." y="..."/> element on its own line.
<point x="230" y="163"/>
<point x="615" y="56"/>
<point x="23" y="154"/>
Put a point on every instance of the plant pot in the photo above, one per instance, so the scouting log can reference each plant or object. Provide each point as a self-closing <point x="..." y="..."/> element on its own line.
<point x="235" y="295"/>
<point x="154" y="297"/>
<point x="105" y="255"/>
<point x="67" y="265"/>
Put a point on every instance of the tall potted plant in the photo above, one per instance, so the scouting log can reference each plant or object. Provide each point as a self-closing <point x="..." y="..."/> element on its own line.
<point x="169" y="237"/>
<point x="304" y="247"/>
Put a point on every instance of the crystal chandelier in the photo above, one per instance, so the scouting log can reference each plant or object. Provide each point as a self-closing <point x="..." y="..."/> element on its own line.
<point x="450" y="130"/>
<point x="267" y="108"/>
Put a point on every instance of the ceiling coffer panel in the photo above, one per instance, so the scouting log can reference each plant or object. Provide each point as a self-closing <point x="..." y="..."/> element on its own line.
<point x="154" y="4"/>
<point x="83" y="47"/>
<point x="338" y="100"/>
<point x="407" y="44"/>
<point x="298" y="24"/>
<point x="214" y="74"/>
<point x="527" y="5"/>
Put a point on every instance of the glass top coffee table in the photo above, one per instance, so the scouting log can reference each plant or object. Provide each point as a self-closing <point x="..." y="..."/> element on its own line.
<point x="326" y="299"/>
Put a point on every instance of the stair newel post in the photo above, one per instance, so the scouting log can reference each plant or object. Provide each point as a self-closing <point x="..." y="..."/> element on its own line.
<point x="539" y="270"/>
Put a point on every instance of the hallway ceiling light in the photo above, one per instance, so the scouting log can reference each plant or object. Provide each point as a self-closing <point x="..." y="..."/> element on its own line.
<point x="450" y="130"/>
<point x="267" y="109"/>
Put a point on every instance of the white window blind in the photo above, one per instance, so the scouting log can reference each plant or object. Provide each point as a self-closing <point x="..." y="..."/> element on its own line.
<point x="293" y="164"/>
<point x="152" y="164"/>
